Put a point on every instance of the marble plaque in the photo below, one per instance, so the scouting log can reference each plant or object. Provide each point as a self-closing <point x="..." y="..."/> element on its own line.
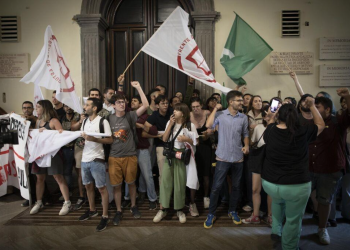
<point x="334" y="48"/>
<point x="335" y="75"/>
<point x="14" y="65"/>
<point x="299" y="62"/>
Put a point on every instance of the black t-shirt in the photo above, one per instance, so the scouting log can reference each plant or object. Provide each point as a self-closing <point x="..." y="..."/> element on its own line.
<point x="287" y="160"/>
<point x="60" y="112"/>
<point x="303" y="121"/>
<point x="160" y="122"/>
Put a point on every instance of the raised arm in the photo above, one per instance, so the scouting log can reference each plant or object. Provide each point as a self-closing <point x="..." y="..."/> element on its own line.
<point x="297" y="84"/>
<point x="211" y="118"/>
<point x="318" y="120"/>
<point x="121" y="83"/>
<point x="143" y="97"/>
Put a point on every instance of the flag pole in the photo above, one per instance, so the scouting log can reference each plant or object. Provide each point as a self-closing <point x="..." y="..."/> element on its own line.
<point x="132" y="60"/>
<point x="283" y="62"/>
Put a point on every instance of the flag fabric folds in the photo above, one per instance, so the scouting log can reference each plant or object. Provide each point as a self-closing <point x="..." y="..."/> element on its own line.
<point x="174" y="45"/>
<point x="50" y="70"/>
<point x="244" y="49"/>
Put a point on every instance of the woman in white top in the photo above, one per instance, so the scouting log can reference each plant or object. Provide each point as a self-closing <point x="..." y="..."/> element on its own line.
<point x="174" y="169"/>
<point x="259" y="130"/>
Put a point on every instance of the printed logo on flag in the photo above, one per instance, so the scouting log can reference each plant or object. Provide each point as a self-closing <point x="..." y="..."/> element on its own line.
<point x="189" y="56"/>
<point x="63" y="69"/>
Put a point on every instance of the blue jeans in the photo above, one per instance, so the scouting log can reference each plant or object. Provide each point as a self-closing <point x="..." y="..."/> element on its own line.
<point x="68" y="154"/>
<point x="221" y="171"/>
<point x="146" y="182"/>
<point x="93" y="171"/>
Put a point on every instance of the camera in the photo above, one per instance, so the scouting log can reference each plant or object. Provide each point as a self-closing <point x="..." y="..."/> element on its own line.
<point x="171" y="154"/>
<point x="7" y="136"/>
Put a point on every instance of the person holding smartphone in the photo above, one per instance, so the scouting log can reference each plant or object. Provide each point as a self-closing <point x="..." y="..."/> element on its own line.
<point x="285" y="175"/>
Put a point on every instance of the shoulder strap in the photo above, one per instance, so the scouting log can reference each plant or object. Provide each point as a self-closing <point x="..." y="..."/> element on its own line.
<point x="188" y="125"/>
<point x="84" y="123"/>
<point x="132" y="127"/>
<point x="102" y="127"/>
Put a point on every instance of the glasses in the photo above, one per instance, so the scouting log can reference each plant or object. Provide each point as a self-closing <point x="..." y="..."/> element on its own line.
<point x="27" y="108"/>
<point x="239" y="100"/>
<point x="120" y="102"/>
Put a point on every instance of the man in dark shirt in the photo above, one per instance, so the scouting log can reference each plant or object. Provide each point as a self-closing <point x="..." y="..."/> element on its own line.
<point x="305" y="115"/>
<point x="58" y="106"/>
<point x="327" y="158"/>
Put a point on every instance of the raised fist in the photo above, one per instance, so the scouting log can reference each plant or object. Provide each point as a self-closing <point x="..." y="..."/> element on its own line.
<point x="343" y="92"/>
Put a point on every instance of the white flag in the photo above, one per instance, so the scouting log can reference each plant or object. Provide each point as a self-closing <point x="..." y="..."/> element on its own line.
<point x="50" y="70"/>
<point x="38" y="95"/>
<point x="174" y="45"/>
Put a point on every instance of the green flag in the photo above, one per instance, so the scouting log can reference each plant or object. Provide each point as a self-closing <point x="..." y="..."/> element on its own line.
<point x="243" y="50"/>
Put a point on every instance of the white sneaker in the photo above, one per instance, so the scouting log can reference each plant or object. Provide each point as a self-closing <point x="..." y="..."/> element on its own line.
<point x="324" y="237"/>
<point x="247" y="208"/>
<point x="36" y="208"/>
<point x="159" y="216"/>
<point x="194" y="210"/>
<point x="182" y="216"/>
<point x="206" y="202"/>
<point x="65" y="208"/>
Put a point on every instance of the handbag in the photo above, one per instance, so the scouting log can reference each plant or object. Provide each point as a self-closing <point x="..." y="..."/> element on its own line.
<point x="257" y="156"/>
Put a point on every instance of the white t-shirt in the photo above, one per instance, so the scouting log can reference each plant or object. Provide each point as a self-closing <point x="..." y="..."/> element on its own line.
<point x="178" y="144"/>
<point x="258" y="131"/>
<point x="109" y="108"/>
<point x="93" y="150"/>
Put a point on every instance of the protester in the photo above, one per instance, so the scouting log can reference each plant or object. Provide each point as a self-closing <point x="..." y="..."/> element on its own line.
<point x="48" y="120"/>
<point x="211" y="104"/>
<point x="58" y="106"/>
<point x="153" y="94"/>
<point x="232" y="125"/>
<point x="174" y="100"/>
<point x="107" y="94"/>
<point x="246" y="100"/>
<point x="195" y="93"/>
<point x="325" y="94"/>
<point x="203" y="152"/>
<point x="174" y="169"/>
<point x="327" y="159"/>
<point x="285" y="176"/>
<point x="162" y="89"/>
<point x="217" y="96"/>
<point x="122" y="160"/>
<point x="179" y="95"/>
<point x="93" y="160"/>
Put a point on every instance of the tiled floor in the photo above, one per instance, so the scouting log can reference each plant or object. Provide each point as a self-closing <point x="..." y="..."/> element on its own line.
<point x="85" y="237"/>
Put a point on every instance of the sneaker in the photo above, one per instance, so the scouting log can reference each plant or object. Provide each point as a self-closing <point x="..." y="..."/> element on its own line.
<point x="25" y="204"/>
<point x="194" y="210"/>
<point x="235" y="218"/>
<point x="141" y="198"/>
<point x="88" y="214"/>
<point x="247" y="208"/>
<point x="269" y="220"/>
<point x="181" y="216"/>
<point x="206" y="201"/>
<point x="65" y="208"/>
<point x="117" y="218"/>
<point x="103" y="224"/>
<point x="324" y="237"/>
<point x="126" y="203"/>
<point x="36" y="208"/>
<point x="135" y="212"/>
<point x="159" y="216"/>
<point x="153" y="205"/>
<point x="252" y="220"/>
<point x="81" y="201"/>
<point x="276" y="237"/>
<point x="209" y="221"/>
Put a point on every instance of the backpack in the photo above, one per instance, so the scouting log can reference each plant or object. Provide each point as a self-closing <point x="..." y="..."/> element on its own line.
<point x="106" y="147"/>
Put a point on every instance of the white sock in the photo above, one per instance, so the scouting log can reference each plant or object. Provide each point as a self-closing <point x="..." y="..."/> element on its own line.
<point x="39" y="202"/>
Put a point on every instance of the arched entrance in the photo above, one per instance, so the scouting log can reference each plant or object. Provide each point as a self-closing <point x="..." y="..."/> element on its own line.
<point x="102" y="30"/>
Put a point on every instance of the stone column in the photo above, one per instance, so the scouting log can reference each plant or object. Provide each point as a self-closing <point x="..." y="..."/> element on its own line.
<point x="93" y="51"/>
<point x="204" y="18"/>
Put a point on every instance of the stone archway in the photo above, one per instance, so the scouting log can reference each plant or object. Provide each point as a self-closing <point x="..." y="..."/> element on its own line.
<point x="93" y="25"/>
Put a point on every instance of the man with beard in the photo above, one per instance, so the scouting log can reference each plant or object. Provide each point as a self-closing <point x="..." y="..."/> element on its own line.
<point x="107" y="94"/>
<point x="327" y="159"/>
<point x="305" y="115"/>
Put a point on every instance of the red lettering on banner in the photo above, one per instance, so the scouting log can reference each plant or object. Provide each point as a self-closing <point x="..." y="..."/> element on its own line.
<point x="2" y="177"/>
<point x="14" y="168"/>
<point x="7" y="170"/>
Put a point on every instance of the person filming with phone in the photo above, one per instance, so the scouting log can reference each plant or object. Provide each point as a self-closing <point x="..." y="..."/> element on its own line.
<point x="285" y="174"/>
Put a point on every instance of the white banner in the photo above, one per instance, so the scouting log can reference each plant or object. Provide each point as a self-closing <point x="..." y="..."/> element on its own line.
<point x="174" y="45"/>
<point x="50" y="70"/>
<point x="12" y="162"/>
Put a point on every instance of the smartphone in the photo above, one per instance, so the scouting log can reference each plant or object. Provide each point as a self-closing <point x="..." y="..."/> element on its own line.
<point x="274" y="105"/>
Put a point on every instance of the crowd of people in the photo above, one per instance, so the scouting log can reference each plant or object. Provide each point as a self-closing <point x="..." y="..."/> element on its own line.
<point x="270" y="162"/>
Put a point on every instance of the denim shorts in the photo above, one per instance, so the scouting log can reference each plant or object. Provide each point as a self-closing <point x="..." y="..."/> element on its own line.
<point x="326" y="186"/>
<point x="93" y="171"/>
